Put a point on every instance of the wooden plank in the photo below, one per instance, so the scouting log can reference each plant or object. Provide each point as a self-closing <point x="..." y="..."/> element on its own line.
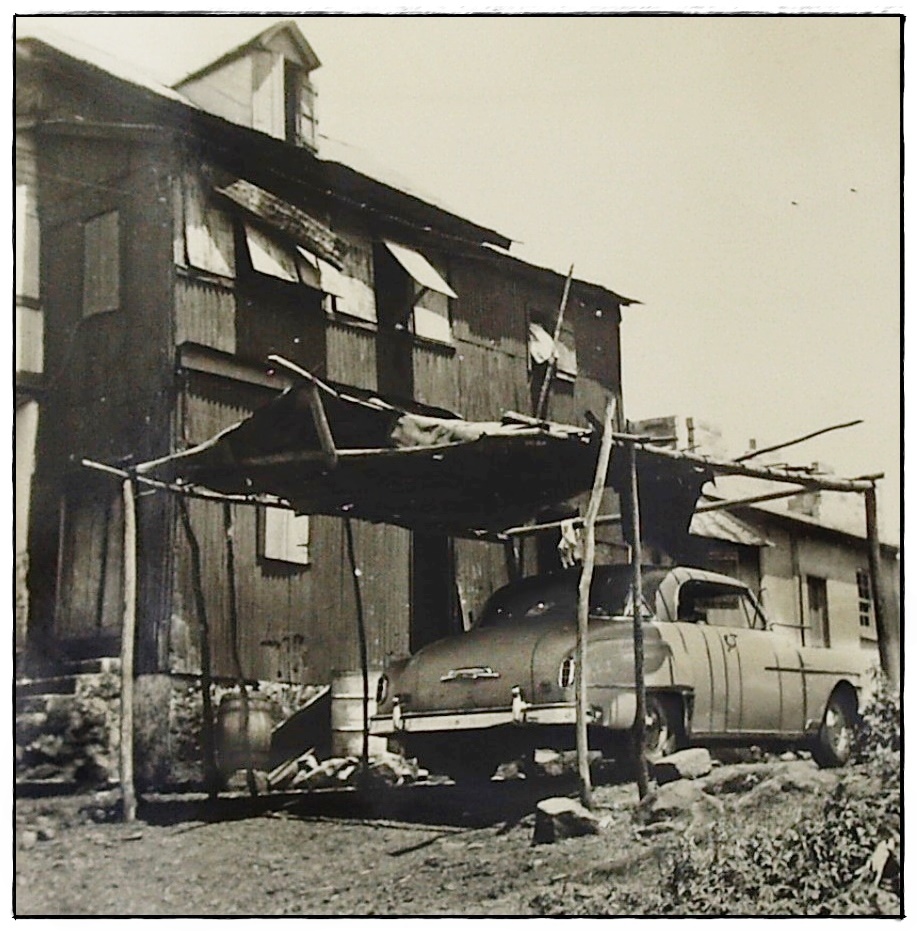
<point x="128" y="632"/>
<point x="886" y="622"/>
<point x="582" y="611"/>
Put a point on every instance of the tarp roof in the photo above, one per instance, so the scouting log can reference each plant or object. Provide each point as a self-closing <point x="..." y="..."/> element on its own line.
<point x="436" y="474"/>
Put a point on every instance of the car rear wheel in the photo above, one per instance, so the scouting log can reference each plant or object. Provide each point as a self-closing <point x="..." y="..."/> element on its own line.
<point x="833" y="744"/>
<point x="661" y="728"/>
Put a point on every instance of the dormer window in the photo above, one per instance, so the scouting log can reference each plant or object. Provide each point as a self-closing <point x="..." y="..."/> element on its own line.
<point x="299" y="100"/>
<point x="264" y="84"/>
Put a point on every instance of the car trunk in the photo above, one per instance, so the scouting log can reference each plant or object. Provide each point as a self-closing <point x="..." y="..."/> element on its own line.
<point x="478" y="669"/>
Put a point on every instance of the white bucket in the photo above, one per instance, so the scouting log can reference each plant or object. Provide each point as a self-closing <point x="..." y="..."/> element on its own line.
<point x="347" y="714"/>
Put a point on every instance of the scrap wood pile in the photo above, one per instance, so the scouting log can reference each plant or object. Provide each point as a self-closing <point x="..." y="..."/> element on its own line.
<point x="306" y="772"/>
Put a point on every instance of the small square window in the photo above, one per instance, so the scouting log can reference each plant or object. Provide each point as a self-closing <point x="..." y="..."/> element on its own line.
<point x="285" y="536"/>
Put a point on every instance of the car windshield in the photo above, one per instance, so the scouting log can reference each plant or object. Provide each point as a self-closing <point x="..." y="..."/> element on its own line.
<point x="554" y="597"/>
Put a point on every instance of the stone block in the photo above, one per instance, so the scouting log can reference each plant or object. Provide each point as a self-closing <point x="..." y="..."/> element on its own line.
<point x="561" y="818"/>
<point x="685" y="764"/>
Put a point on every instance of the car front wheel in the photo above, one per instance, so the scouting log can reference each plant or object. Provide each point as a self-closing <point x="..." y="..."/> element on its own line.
<point x="660" y="729"/>
<point x="833" y="744"/>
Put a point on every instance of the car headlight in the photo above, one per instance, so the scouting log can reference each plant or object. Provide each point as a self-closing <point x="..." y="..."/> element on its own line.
<point x="567" y="673"/>
<point x="382" y="689"/>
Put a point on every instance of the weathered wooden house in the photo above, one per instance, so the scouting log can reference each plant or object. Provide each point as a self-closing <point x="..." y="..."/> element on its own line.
<point x="169" y="241"/>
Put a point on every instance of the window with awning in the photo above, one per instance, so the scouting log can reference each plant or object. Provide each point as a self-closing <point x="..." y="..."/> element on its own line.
<point x="204" y="233"/>
<point x="542" y="346"/>
<point x="345" y="293"/>
<point x="270" y="256"/>
<point x="430" y="304"/>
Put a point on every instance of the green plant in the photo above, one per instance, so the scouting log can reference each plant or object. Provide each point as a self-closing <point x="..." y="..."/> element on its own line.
<point x="879" y="728"/>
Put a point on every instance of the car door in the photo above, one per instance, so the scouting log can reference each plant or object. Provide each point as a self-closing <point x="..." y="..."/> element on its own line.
<point x="740" y="652"/>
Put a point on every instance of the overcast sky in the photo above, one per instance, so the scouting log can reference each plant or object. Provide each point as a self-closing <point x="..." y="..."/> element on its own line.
<point x="740" y="176"/>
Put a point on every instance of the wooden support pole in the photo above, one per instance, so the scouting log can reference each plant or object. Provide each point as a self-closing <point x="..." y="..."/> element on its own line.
<point x="208" y="745"/>
<point x="229" y="530"/>
<point x="128" y="636"/>
<point x="356" y="574"/>
<point x="322" y="427"/>
<point x="886" y="626"/>
<point x="639" y="735"/>
<point x="541" y="406"/>
<point x="582" y="608"/>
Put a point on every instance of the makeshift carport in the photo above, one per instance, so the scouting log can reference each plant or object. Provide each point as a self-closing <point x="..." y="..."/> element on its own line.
<point x="324" y="449"/>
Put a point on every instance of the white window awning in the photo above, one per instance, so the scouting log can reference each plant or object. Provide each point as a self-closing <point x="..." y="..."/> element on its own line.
<point x="419" y="269"/>
<point x="269" y="257"/>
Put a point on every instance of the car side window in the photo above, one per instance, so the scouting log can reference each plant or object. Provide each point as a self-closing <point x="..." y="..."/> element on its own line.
<point x="755" y="619"/>
<point x="703" y="602"/>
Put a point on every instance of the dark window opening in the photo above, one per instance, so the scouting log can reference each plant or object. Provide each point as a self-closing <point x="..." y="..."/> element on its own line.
<point x="864" y="598"/>
<point x="818" y="611"/>
<point x="299" y="100"/>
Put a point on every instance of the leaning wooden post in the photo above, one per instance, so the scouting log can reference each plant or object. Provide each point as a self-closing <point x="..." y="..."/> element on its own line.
<point x="361" y="637"/>
<point x="229" y="531"/>
<point x="639" y="735"/>
<point x="128" y="634"/>
<point x="208" y="746"/>
<point x="582" y="612"/>
<point x="541" y="406"/>
<point x="886" y="629"/>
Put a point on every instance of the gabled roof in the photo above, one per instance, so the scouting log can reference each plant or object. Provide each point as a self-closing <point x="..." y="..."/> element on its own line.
<point x="263" y="42"/>
<point x="721" y="525"/>
<point x="266" y="156"/>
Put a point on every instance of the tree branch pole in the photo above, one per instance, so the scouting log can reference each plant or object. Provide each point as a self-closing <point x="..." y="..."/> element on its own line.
<point x="229" y="530"/>
<point x="582" y="608"/>
<point x="128" y="636"/>
<point x="798" y="439"/>
<point x="731" y="467"/>
<point x="361" y="637"/>
<point x="886" y="628"/>
<point x="541" y="406"/>
<point x="208" y="746"/>
<point x="639" y="735"/>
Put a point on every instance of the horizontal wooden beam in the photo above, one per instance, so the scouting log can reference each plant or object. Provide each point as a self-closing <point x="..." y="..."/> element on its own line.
<point x="731" y="467"/>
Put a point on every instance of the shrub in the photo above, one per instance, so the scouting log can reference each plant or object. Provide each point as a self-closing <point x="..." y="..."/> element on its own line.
<point x="823" y="864"/>
<point x="879" y="730"/>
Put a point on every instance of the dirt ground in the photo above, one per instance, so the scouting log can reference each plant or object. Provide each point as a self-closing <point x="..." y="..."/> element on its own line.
<point x="408" y="851"/>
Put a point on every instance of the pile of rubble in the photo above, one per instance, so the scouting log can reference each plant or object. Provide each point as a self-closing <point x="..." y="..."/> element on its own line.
<point x="307" y="772"/>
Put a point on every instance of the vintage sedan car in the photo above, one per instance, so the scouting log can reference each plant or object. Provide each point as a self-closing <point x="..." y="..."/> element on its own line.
<point x="717" y="671"/>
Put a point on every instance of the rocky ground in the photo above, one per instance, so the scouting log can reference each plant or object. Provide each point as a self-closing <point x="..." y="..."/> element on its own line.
<point x="411" y="850"/>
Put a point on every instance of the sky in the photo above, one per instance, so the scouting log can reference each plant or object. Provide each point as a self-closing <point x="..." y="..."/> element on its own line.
<point x="739" y="176"/>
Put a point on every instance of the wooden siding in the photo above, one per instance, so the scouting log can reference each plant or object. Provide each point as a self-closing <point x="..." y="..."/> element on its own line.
<point x="110" y="374"/>
<point x="297" y="623"/>
<point x="490" y="382"/>
<point x="351" y="355"/>
<point x="205" y="313"/>
<point x="274" y="316"/>
<point x="436" y="376"/>
<point x="489" y="310"/>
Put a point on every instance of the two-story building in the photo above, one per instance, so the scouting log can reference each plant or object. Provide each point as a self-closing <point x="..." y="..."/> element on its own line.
<point x="187" y="234"/>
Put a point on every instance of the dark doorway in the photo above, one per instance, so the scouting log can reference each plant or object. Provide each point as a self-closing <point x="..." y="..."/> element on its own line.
<point x="434" y="601"/>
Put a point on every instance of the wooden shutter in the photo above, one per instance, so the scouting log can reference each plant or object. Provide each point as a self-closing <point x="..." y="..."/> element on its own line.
<point x="285" y="536"/>
<point x="101" y="264"/>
